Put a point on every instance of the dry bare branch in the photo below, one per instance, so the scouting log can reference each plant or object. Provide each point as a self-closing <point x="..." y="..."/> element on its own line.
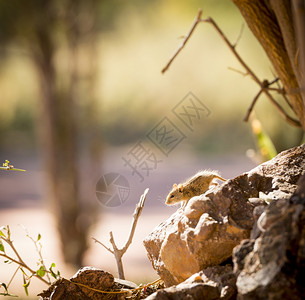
<point x="249" y="71"/>
<point x="246" y="118"/>
<point x="240" y="35"/>
<point x="289" y="119"/>
<point x="97" y="241"/>
<point x="238" y="71"/>
<point x="186" y="38"/>
<point x="118" y="253"/>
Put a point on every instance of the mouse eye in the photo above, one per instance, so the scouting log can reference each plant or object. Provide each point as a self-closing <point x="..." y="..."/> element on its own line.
<point x="172" y="196"/>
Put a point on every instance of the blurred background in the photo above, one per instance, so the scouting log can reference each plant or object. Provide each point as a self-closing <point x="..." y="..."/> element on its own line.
<point x="81" y="87"/>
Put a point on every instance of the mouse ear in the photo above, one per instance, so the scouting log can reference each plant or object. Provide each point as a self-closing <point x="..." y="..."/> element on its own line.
<point x="180" y="188"/>
<point x="175" y="185"/>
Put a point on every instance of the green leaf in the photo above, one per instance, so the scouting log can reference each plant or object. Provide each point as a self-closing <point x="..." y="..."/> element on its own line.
<point x="52" y="272"/>
<point x="1" y="247"/>
<point x="2" y="229"/>
<point x="8" y="261"/>
<point x="39" y="237"/>
<point x="1" y="233"/>
<point x="20" y="170"/>
<point x="41" y="271"/>
<point x="25" y="285"/>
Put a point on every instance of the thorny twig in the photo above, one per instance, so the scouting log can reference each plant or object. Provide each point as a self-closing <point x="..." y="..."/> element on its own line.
<point x="118" y="253"/>
<point x="264" y="90"/>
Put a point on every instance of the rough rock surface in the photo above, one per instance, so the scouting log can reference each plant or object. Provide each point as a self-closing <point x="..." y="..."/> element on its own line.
<point x="211" y="225"/>
<point x="272" y="266"/>
<point x="89" y="276"/>
<point x="216" y="282"/>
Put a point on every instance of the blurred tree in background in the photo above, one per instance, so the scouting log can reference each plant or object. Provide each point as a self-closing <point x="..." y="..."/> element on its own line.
<point x="47" y="30"/>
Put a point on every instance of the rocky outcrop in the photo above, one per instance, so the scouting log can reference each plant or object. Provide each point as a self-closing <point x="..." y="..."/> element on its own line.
<point x="272" y="266"/>
<point x="216" y="282"/>
<point x="211" y="225"/>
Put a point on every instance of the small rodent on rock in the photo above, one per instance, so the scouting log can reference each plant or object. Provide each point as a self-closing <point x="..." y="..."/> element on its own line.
<point x="194" y="186"/>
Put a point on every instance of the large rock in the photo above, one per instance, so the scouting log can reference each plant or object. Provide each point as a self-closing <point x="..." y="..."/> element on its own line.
<point x="211" y="225"/>
<point x="272" y="266"/>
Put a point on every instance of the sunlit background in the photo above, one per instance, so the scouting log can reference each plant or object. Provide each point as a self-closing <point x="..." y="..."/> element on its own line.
<point x="122" y="73"/>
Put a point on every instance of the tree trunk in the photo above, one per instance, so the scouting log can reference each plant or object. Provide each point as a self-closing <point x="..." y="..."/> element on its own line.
<point x="71" y="184"/>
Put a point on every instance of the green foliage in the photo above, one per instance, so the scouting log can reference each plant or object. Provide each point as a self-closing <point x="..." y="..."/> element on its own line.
<point x="1" y="247"/>
<point x="53" y="274"/>
<point x="1" y="233"/>
<point x="41" y="271"/>
<point x="26" y="282"/>
<point x="28" y="273"/>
